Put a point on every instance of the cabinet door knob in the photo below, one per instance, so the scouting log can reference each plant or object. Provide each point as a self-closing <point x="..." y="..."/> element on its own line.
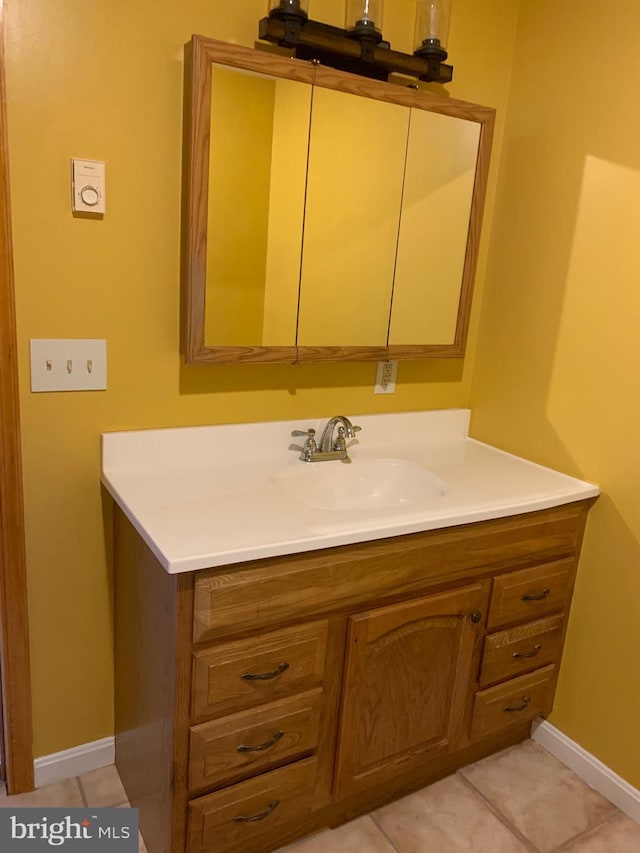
<point x="530" y="654"/>
<point x="255" y="817"/>
<point x="262" y="746"/>
<point x="539" y="596"/>
<point x="476" y="616"/>
<point x="265" y="676"/>
<point x="521" y="707"/>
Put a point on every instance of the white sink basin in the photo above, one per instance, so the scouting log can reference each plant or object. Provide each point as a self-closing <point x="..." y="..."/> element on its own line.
<point x="361" y="484"/>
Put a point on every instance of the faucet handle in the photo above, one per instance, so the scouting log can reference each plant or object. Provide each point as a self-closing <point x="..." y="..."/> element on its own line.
<point x="310" y="445"/>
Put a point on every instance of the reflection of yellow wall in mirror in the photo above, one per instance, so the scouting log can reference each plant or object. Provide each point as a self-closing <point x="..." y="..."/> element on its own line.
<point x="436" y="204"/>
<point x="119" y="279"/>
<point x="292" y="111"/>
<point x="239" y="180"/>
<point x="356" y="164"/>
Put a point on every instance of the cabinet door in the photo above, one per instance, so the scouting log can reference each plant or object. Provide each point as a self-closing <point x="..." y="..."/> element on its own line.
<point x="406" y="683"/>
<point x="354" y="194"/>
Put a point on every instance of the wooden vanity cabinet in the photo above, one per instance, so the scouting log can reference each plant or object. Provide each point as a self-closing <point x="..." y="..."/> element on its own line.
<point x="259" y="702"/>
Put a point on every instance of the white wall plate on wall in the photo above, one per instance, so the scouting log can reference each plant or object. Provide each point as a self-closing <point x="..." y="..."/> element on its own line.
<point x="68" y="365"/>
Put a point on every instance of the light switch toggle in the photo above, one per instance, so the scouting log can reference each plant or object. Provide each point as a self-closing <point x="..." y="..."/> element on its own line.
<point x="68" y="365"/>
<point x="88" y="179"/>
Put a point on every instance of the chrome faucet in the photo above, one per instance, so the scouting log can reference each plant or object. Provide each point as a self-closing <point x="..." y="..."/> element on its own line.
<point x="329" y="447"/>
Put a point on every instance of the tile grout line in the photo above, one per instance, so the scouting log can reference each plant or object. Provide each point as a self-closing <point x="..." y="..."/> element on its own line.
<point x="587" y="832"/>
<point x="504" y="820"/>
<point x="382" y="832"/>
<point x="82" y="793"/>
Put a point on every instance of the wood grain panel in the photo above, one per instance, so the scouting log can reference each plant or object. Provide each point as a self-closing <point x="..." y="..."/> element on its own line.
<point x="519" y="699"/>
<point x="406" y="683"/>
<point x="252" y="741"/>
<point x="152" y="687"/>
<point x="308" y="584"/>
<point x="17" y="749"/>
<point x="420" y="99"/>
<point x="236" y="818"/>
<point x="531" y="593"/>
<point x="286" y="662"/>
<point x="521" y="649"/>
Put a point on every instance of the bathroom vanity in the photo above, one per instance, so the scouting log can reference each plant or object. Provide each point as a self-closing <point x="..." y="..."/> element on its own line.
<point x="282" y="666"/>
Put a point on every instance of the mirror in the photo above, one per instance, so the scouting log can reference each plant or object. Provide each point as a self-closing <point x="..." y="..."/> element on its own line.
<point x="328" y="217"/>
<point x="440" y="172"/>
<point x="354" y="197"/>
<point x="257" y="176"/>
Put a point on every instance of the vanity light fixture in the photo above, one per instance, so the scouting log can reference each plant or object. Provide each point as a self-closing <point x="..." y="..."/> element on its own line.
<point x="292" y="14"/>
<point x="432" y="31"/>
<point x="364" y="20"/>
<point x="360" y="47"/>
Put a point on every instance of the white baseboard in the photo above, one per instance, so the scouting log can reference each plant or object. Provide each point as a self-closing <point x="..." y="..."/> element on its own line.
<point x="589" y="769"/>
<point x="74" y="762"/>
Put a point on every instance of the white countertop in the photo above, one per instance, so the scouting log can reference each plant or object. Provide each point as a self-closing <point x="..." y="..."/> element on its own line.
<point x="205" y="496"/>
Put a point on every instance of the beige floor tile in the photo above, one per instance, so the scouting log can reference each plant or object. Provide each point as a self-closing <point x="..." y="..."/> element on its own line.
<point x="447" y="817"/>
<point x="618" y="835"/>
<point x="61" y="795"/>
<point x="545" y="800"/>
<point x="359" y="836"/>
<point x="103" y="787"/>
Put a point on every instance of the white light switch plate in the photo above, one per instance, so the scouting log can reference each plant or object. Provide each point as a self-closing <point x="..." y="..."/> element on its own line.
<point x="68" y="365"/>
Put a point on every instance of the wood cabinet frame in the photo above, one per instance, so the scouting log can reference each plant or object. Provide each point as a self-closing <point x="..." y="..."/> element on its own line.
<point x="14" y="634"/>
<point x="200" y="54"/>
<point x="166" y="625"/>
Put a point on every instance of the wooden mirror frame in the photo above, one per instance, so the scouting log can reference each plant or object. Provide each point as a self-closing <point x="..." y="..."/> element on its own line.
<point x="200" y="56"/>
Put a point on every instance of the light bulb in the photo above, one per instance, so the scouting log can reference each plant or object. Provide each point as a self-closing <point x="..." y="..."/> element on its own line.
<point x="291" y="7"/>
<point x="364" y="14"/>
<point x="432" y="23"/>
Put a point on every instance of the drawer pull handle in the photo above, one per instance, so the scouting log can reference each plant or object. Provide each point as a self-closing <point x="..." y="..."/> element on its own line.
<point x="265" y="676"/>
<point x="521" y="707"/>
<point x="530" y="654"/>
<point x="263" y="746"/>
<point x="539" y="596"/>
<point x="241" y="818"/>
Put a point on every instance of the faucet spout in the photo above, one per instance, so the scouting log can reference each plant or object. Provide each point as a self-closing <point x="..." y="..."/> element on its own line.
<point x="329" y="447"/>
<point x="327" y="443"/>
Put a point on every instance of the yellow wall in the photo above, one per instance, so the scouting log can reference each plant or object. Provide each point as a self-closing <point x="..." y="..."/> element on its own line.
<point x="103" y="80"/>
<point x="558" y="362"/>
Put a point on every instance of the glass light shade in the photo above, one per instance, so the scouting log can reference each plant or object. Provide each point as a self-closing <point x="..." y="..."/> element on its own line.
<point x="292" y="7"/>
<point x="364" y="14"/>
<point x="432" y="23"/>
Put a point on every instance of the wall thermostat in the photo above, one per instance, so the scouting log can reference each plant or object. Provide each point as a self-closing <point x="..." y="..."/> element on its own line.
<point x="88" y="186"/>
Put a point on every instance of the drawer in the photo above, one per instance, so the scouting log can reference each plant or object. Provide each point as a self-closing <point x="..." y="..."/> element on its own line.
<point x="521" y="649"/>
<point x="243" y="674"/>
<point x="263" y="593"/>
<point x="237" y="818"/>
<point x="514" y="701"/>
<point x="252" y="741"/>
<point x="530" y="593"/>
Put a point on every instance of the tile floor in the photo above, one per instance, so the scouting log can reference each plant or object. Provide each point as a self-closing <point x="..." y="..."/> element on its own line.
<point x="519" y="800"/>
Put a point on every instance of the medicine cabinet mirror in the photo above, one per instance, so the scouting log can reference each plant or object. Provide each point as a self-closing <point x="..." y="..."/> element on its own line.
<point x="327" y="217"/>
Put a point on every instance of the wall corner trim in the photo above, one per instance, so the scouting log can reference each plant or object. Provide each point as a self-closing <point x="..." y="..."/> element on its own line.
<point x="74" y="762"/>
<point x="590" y="769"/>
